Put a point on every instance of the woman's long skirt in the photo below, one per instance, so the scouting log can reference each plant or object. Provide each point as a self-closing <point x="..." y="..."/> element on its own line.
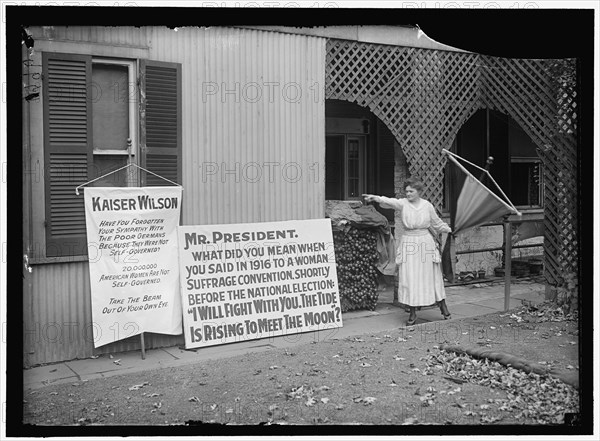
<point x="419" y="271"/>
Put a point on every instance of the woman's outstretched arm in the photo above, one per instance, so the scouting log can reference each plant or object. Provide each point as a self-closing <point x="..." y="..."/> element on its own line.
<point x="384" y="201"/>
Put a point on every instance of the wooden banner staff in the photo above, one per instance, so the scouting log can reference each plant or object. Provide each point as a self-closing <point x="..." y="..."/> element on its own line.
<point x="507" y="243"/>
<point x="130" y="164"/>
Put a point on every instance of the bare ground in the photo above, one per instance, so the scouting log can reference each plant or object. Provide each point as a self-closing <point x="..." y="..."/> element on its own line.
<point x="390" y="378"/>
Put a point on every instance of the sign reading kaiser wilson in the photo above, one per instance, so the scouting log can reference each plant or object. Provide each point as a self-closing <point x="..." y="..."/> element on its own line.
<point x="133" y="261"/>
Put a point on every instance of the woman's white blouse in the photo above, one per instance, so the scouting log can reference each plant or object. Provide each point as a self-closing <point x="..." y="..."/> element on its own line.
<point x="421" y="216"/>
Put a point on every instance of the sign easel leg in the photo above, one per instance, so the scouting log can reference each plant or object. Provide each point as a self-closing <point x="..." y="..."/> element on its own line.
<point x="143" y="346"/>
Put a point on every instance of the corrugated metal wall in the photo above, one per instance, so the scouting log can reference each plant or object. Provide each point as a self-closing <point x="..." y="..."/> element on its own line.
<point x="128" y="36"/>
<point x="253" y="150"/>
<point x="57" y="317"/>
<point x="254" y="123"/>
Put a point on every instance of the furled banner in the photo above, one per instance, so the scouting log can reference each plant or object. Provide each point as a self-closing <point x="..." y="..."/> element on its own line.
<point x="247" y="281"/>
<point x="475" y="205"/>
<point x="132" y="247"/>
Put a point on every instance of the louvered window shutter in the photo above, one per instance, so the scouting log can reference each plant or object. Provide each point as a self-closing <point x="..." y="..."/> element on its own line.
<point x="160" y="119"/>
<point x="67" y="150"/>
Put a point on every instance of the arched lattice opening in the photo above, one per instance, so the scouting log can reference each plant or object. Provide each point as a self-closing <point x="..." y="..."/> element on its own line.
<point x="359" y="154"/>
<point x="517" y="165"/>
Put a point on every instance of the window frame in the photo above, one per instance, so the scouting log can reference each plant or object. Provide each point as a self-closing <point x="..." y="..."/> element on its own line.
<point x="362" y="166"/>
<point x="362" y="163"/>
<point x="133" y="100"/>
<point x="524" y="160"/>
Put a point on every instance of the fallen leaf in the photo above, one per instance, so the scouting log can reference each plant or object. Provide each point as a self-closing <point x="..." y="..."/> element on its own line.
<point x="455" y="379"/>
<point x="368" y="400"/>
<point x="138" y="386"/>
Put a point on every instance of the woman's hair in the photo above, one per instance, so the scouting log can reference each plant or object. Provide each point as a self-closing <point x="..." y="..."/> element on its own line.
<point x="414" y="183"/>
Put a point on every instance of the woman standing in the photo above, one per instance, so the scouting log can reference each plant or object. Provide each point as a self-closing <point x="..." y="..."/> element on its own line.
<point x="419" y="261"/>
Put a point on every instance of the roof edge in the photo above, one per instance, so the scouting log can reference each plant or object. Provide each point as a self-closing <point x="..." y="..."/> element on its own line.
<point x="400" y="35"/>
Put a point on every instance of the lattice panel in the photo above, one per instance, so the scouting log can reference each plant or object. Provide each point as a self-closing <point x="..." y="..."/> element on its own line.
<point x="425" y="96"/>
<point x="541" y="96"/>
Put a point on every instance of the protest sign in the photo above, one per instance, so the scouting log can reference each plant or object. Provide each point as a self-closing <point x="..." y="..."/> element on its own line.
<point x="247" y="281"/>
<point x="132" y="248"/>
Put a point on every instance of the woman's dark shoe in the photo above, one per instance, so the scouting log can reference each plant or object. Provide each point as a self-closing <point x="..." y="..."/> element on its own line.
<point x="412" y="318"/>
<point x="444" y="310"/>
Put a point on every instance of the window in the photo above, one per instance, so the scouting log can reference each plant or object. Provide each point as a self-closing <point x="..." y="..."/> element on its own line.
<point x="113" y="120"/>
<point x="516" y="168"/>
<point x="345" y="167"/>
<point x="90" y="109"/>
<point x="526" y="175"/>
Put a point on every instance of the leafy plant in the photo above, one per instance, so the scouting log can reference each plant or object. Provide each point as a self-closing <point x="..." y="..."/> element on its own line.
<point x="482" y="265"/>
<point x="356" y="257"/>
<point x="567" y="292"/>
<point x="499" y="256"/>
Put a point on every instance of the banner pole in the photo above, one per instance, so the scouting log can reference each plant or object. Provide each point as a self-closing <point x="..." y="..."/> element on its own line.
<point x="143" y="346"/>
<point x="507" y="262"/>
